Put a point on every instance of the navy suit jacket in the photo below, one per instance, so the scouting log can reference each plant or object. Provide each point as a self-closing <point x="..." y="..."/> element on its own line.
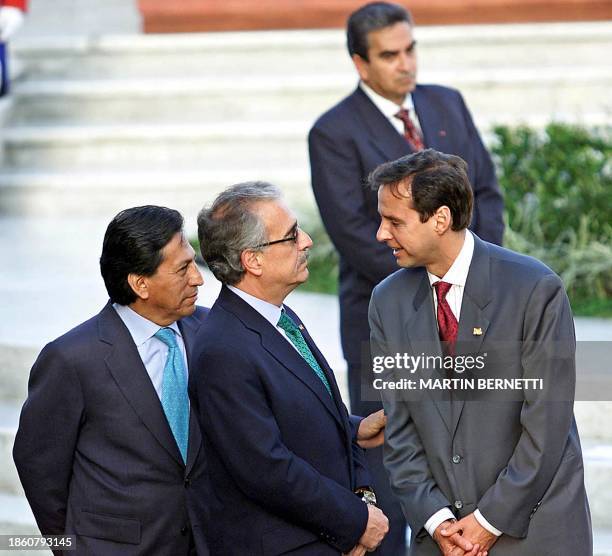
<point x="94" y="451"/>
<point x="282" y="457"/>
<point x="351" y="140"/>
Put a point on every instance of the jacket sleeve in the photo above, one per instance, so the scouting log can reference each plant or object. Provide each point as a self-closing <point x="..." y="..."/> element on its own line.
<point x="488" y="200"/>
<point x="338" y="185"/>
<point x="47" y="437"/>
<point x="404" y="456"/>
<point x="548" y="353"/>
<point x="251" y="447"/>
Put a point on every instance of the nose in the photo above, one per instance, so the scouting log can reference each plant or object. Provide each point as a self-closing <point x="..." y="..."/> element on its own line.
<point x="382" y="234"/>
<point x="196" y="278"/>
<point x="304" y="239"/>
<point x="406" y="61"/>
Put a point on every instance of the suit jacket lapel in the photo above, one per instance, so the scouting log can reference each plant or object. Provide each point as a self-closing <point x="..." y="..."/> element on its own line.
<point x="339" y="404"/>
<point x="476" y="297"/>
<point x="273" y="342"/>
<point x="188" y="329"/>
<point x="382" y="135"/>
<point x="431" y="119"/>
<point x="128" y="371"/>
<point x="422" y="330"/>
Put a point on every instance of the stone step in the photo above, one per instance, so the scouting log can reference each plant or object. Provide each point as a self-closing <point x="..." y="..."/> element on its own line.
<point x="9" y="480"/>
<point x="16" y="519"/>
<point x="550" y="92"/>
<point x="598" y="478"/>
<point x="261" y="146"/>
<point x="602" y="541"/>
<point x="320" y="51"/>
<point x="106" y="193"/>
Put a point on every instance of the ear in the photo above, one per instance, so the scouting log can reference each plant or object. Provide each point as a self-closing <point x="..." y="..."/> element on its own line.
<point x="362" y="66"/>
<point x="139" y="285"/>
<point x="442" y="220"/>
<point x="252" y="261"/>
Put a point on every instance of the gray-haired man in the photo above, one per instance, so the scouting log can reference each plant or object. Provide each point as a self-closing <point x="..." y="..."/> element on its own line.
<point x="283" y="458"/>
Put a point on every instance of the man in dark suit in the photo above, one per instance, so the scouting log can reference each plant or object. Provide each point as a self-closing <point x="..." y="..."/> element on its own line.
<point x="386" y="117"/>
<point x="284" y="471"/>
<point x="107" y="445"/>
<point x="501" y="456"/>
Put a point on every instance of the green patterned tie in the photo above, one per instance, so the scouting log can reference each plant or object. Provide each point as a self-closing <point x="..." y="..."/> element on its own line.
<point x="293" y="333"/>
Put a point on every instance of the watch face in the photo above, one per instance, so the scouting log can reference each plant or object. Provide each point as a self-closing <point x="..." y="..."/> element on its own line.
<point x="369" y="497"/>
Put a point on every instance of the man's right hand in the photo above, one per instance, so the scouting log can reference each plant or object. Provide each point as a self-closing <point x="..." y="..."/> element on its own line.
<point x="454" y="545"/>
<point x="376" y="528"/>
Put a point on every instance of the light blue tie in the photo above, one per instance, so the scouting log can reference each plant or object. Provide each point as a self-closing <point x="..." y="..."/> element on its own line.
<point x="174" y="399"/>
<point x="293" y="332"/>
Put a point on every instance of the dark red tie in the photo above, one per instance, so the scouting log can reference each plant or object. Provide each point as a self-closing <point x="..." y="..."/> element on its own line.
<point x="411" y="133"/>
<point x="447" y="322"/>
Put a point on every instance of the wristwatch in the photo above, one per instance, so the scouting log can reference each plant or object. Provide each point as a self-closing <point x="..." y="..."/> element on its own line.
<point x="367" y="494"/>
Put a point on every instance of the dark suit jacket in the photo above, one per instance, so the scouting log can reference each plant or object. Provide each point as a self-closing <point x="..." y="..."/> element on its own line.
<point x="346" y="144"/>
<point x="514" y="455"/>
<point x="282" y="459"/>
<point x="94" y="451"/>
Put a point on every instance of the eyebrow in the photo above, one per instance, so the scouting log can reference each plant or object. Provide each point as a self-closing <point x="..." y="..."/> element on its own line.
<point x="409" y="48"/>
<point x="291" y="230"/>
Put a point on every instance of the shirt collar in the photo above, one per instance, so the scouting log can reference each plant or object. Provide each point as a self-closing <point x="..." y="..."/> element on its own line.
<point x="386" y="106"/>
<point x="141" y="329"/>
<point x="267" y="310"/>
<point x="458" y="272"/>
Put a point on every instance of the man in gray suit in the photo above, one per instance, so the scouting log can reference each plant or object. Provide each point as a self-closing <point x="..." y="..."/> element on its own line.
<point x="501" y="456"/>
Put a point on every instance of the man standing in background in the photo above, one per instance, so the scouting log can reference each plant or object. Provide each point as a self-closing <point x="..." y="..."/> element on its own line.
<point x="386" y="117"/>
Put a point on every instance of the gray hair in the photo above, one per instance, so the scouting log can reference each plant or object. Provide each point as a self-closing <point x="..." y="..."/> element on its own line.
<point x="229" y="226"/>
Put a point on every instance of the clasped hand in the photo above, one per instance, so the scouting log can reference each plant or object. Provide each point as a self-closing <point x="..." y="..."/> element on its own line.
<point x="465" y="537"/>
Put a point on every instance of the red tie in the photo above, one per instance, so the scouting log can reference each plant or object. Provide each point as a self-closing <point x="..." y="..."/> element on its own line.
<point x="447" y="323"/>
<point x="411" y="133"/>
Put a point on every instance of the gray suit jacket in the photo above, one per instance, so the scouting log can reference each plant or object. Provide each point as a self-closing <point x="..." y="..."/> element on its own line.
<point x="514" y="455"/>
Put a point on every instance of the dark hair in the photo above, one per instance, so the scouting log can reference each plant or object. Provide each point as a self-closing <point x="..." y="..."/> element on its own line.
<point x="371" y="17"/>
<point x="433" y="179"/>
<point x="133" y="244"/>
<point x="230" y="226"/>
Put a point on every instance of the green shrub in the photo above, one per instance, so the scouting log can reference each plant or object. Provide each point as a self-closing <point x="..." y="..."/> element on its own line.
<point x="557" y="187"/>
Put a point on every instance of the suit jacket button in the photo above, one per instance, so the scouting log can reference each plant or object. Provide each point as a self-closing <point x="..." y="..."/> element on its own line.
<point x="458" y="504"/>
<point x="456" y="458"/>
<point x="184" y="530"/>
<point x="187" y="482"/>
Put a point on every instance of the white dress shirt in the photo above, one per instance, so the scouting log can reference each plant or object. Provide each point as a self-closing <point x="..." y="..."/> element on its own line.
<point x="389" y="108"/>
<point x="456" y="276"/>
<point x="152" y="350"/>
<point x="268" y="311"/>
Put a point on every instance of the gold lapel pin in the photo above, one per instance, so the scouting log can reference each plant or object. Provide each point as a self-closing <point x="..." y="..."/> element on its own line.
<point x="477" y="331"/>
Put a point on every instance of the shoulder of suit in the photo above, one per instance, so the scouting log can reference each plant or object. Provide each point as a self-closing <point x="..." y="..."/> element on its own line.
<point x="429" y="88"/>
<point x="517" y="266"/>
<point x="400" y="280"/>
<point x="77" y="339"/>
<point x="337" y="113"/>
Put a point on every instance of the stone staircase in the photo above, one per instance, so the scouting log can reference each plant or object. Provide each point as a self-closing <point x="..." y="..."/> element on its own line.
<point x="99" y="123"/>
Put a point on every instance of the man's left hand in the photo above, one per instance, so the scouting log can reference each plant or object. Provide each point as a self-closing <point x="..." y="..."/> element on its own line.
<point x="371" y="432"/>
<point x="469" y="528"/>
